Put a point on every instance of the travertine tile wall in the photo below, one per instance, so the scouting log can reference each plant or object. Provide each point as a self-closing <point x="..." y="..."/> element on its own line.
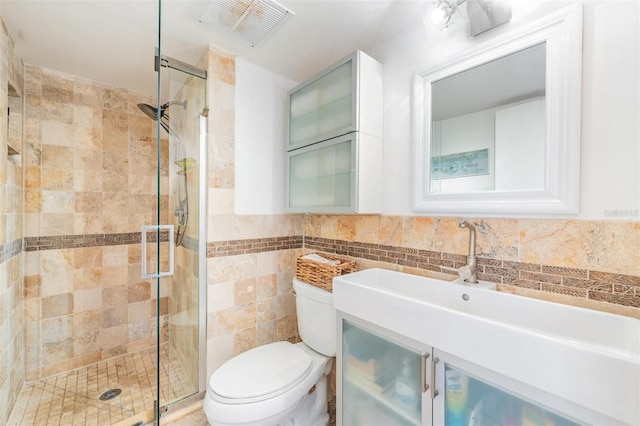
<point x="249" y="284"/>
<point x="592" y="264"/>
<point x="90" y="183"/>
<point x="11" y="185"/>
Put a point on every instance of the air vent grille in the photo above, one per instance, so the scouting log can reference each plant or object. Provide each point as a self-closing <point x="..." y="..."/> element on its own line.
<point x="250" y="20"/>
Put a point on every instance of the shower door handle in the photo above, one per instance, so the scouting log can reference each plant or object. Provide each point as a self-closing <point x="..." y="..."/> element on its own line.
<point x="159" y="273"/>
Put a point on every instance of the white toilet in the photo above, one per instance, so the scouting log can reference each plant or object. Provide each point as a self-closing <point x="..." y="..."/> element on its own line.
<point x="280" y="383"/>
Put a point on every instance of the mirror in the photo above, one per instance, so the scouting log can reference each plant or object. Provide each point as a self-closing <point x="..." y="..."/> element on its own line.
<point x="498" y="128"/>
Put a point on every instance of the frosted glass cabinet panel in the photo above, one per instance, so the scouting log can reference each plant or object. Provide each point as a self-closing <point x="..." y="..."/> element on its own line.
<point x="381" y="380"/>
<point x="343" y="98"/>
<point x="472" y="401"/>
<point x="322" y="175"/>
<point x="334" y="154"/>
<point x="388" y="379"/>
<point x="323" y="106"/>
<point x="340" y="175"/>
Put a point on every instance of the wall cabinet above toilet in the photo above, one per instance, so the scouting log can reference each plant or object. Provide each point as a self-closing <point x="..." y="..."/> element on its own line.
<point x="345" y="97"/>
<point x="334" y="152"/>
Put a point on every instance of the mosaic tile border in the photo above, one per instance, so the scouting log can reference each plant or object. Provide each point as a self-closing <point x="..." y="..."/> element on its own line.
<point x="600" y="286"/>
<point x="214" y="249"/>
<point x="90" y="240"/>
<point x="256" y="245"/>
<point x="587" y="284"/>
<point x="10" y="249"/>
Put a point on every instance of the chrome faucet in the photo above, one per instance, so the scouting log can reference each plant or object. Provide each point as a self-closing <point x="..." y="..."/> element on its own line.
<point x="469" y="272"/>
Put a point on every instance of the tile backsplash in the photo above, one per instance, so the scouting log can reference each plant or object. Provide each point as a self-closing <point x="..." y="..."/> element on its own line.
<point x="593" y="264"/>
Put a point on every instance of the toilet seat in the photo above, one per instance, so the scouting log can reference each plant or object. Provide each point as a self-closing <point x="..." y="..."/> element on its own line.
<point x="261" y="373"/>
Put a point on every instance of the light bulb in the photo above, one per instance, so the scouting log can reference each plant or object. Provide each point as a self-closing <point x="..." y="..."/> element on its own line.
<point x="441" y="14"/>
<point x="438" y="15"/>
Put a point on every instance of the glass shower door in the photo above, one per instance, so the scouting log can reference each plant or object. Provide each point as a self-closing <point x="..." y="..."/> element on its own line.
<point x="181" y="294"/>
<point x="181" y="132"/>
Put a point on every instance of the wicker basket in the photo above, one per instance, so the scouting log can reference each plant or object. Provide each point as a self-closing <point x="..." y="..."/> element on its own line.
<point x="320" y="274"/>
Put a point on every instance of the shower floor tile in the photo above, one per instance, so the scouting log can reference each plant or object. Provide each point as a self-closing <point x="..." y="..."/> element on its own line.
<point x="72" y="398"/>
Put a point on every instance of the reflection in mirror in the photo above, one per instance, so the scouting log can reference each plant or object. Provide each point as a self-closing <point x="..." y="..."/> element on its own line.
<point x="497" y="127"/>
<point x="488" y="125"/>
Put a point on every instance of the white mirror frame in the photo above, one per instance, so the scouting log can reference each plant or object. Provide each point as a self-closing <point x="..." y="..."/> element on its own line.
<point x="562" y="33"/>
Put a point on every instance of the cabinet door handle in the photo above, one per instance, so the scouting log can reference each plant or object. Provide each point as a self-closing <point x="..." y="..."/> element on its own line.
<point x="423" y="373"/>
<point x="434" y="392"/>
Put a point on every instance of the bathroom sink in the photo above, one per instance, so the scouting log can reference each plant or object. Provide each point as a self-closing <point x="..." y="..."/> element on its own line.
<point x="565" y="350"/>
<point x="608" y="332"/>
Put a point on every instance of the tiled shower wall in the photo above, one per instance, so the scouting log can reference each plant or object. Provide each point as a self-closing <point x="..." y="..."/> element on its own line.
<point x="11" y="313"/>
<point x="90" y="183"/>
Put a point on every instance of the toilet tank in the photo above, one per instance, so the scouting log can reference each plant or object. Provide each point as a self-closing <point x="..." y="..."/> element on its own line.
<point x="316" y="317"/>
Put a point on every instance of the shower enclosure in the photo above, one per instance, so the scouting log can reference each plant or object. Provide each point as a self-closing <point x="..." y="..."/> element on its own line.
<point x="174" y="246"/>
<point x="115" y="247"/>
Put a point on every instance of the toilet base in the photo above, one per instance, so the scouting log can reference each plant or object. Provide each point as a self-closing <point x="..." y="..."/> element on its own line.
<point x="314" y="410"/>
<point x="311" y="410"/>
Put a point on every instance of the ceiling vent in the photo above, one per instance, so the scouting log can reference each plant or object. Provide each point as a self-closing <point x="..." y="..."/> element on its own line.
<point x="250" y="20"/>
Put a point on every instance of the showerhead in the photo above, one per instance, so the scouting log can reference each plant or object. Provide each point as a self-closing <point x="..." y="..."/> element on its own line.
<point x="149" y="111"/>
<point x="152" y="113"/>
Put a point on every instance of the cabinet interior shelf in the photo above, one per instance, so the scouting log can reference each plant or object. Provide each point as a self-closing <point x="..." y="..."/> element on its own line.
<point x="319" y="177"/>
<point x="313" y="112"/>
<point x="386" y="399"/>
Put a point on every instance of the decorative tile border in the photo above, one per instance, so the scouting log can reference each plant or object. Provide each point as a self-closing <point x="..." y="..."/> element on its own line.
<point x="257" y="245"/>
<point x="594" y="285"/>
<point x="91" y="240"/>
<point x="215" y="249"/>
<point x="10" y="249"/>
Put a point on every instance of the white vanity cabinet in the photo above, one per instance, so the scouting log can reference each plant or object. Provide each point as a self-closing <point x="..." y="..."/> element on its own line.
<point x="388" y="379"/>
<point x="334" y="151"/>
<point x="496" y="358"/>
<point x="381" y="378"/>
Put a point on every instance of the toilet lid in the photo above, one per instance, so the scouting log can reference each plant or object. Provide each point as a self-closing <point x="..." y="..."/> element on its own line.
<point x="261" y="371"/>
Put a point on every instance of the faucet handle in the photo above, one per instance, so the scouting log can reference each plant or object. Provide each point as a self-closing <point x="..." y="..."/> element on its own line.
<point x="465" y="272"/>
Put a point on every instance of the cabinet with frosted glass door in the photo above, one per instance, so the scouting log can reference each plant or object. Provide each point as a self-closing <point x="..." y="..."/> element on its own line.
<point x="344" y="97"/>
<point x="470" y="395"/>
<point x="387" y="379"/>
<point x="334" y="148"/>
<point x="381" y="377"/>
<point x="340" y="175"/>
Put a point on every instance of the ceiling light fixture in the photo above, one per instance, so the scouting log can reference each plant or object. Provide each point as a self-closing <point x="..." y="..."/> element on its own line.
<point x="482" y="15"/>
<point x="441" y="15"/>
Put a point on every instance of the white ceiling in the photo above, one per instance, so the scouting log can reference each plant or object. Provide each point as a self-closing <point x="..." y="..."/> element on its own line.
<point x="113" y="41"/>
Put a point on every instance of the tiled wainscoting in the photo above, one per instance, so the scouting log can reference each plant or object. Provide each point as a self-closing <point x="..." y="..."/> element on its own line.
<point x="592" y="285"/>
<point x="600" y="286"/>
<point x="249" y="280"/>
